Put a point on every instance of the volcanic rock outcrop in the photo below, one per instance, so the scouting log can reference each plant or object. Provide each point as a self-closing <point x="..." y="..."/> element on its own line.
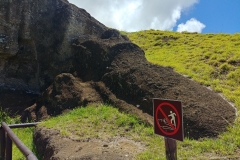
<point x="35" y="40"/>
<point x="40" y="39"/>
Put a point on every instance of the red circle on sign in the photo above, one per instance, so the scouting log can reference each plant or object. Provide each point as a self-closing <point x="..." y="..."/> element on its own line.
<point x="159" y="109"/>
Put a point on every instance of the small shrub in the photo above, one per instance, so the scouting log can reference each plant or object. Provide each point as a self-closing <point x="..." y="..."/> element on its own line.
<point x="4" y="116"/>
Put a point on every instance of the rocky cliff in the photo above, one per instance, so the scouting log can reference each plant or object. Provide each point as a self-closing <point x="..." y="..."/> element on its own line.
<point x="36" y="38"/>
<point x="40" y="39"/>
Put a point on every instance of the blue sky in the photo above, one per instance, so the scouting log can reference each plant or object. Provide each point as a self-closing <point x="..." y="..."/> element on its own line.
<point x="203" y="16"/>
<point x="219" y="16"/>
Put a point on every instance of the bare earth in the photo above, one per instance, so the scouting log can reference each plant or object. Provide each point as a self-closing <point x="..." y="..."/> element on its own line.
<point x="56" y="147"/>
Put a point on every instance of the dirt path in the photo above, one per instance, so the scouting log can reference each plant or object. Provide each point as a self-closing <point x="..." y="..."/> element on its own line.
<point x="53" y="146"/>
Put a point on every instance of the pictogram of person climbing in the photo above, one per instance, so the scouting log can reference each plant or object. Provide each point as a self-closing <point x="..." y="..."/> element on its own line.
<point x="172" y="120"/>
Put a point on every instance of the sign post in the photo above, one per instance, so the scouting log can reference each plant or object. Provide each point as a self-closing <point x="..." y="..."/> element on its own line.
<point x="168" y="122"/>
<point x="171" y="148"/>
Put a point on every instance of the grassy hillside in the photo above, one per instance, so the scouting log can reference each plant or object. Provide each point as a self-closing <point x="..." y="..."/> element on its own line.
<point x="210" y="59"/>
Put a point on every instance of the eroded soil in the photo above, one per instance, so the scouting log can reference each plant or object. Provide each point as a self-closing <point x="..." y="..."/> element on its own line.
<point x="54" y="146"/>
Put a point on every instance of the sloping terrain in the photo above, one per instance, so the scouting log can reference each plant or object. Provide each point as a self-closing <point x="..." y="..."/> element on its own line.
<point x="56" y="50"/>
<point x="100" y="136"/>
<point x="210" y="59"/>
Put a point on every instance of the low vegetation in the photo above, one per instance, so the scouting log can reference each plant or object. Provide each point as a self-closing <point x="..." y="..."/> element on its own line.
<point x="210" y="59"/>
<point x="105" y="121"/>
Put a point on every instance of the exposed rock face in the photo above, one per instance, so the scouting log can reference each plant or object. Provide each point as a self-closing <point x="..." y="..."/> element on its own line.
<point x="16" y="101"/>
<point x="67" y="92"/>
<point x="35" y="40"/>
<point x="128" y="75"/>
<point x="40" y="39"/>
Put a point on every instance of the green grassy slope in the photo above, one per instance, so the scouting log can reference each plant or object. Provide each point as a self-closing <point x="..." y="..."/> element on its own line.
<point x="210" y="59"/>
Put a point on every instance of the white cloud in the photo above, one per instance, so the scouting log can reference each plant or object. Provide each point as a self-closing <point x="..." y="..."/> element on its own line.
<point x="134" y="15"/>
<point x="191" y="25"/>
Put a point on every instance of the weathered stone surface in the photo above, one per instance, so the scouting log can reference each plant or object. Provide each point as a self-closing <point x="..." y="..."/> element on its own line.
<point x="123" y="68"/>
<point x="15" y="101"/>
<point x="66" y="92"/>
<point x="40" y="39"/>
<point x="35" y="40"/>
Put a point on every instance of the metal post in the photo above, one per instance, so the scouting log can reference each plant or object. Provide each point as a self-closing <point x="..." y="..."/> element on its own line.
<point x="171" y="148"/>
<point x="8" y="148"/>
<point x="23" y="125"/>
<point x="2" y="144"/>
<point x="26" y="152"/>
<point x="31" y="157"/>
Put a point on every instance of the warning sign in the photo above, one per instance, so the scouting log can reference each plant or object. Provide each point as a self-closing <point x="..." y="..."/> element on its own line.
<point x="168" y="118"/>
